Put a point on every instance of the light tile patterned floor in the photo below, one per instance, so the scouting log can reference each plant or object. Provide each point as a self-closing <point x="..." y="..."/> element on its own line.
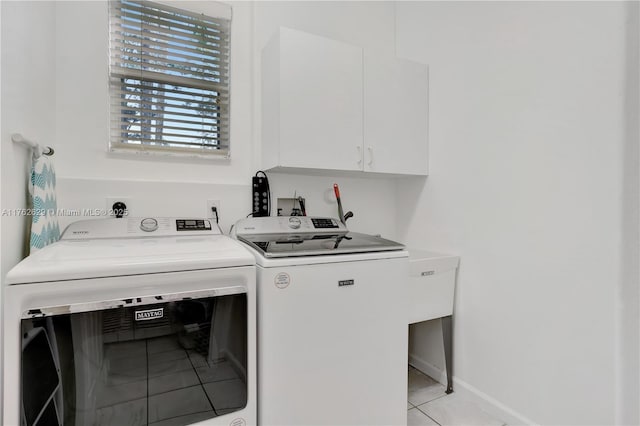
<point x="429" y="405"/>
<point x="156" y="381"/>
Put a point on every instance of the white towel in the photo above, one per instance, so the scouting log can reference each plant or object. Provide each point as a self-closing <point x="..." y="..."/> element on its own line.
<point x="42" y="187"/>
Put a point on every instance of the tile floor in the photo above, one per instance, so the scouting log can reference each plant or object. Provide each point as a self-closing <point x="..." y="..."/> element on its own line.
<point x="429" y="405"/>
<point x="142" y="381"/>
<point x="157" y="382"/>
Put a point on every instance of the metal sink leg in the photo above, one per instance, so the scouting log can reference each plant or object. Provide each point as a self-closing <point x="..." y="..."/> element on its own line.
<point x="447" y="338"/>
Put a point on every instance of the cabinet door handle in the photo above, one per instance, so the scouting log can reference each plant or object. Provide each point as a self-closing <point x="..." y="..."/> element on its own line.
<point x="370" y="155"/>
<point x="359" y="154"/>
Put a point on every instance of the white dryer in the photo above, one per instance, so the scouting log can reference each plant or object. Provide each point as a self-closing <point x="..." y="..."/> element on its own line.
<point x="132" y="322"/>
<point x="332" y="329"/>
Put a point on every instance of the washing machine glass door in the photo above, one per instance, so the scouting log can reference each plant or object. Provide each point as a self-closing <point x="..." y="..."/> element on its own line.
<point x="137" y="361"/>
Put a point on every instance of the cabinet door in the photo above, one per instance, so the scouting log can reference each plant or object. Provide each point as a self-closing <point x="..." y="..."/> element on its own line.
<point x="395" y="115"/>
<point x="320" y="102"/>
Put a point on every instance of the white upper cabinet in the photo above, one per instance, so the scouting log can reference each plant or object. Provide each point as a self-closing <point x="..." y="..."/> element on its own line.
<point x="311" y="102"/>
<point x="395" y="115"/>
<point x="328" y="105"/>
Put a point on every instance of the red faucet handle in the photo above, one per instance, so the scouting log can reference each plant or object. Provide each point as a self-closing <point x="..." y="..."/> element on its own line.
<point x="336" y="190"/>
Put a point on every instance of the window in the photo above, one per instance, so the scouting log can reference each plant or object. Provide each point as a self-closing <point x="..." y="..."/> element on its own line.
<point x="169" y="79"/>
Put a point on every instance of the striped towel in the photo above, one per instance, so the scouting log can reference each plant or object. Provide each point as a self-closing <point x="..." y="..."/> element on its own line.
<point x="42" y="187"/>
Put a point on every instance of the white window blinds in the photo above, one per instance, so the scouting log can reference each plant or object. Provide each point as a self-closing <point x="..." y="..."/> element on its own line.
<point x="169" y="79"/>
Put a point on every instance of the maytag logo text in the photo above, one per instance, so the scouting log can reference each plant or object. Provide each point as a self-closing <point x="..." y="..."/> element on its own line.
<point x="149" y="314"/>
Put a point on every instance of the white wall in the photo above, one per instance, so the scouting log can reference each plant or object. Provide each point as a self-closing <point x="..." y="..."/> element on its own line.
<point x="26" y="106"/>
<point x="1" y="283"/>
<point x="366" y="24"/>
<point x="628" y="297"/>
<point x="88" y="173"/>
<point x="371" y="201"/>
<point x="526" y="159"/>
<point x="28" y="79"/>
<point x="82" y="99"/>
<point x="426" y="349"/>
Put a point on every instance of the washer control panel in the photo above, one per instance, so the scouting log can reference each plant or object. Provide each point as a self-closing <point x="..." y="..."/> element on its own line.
<point x="295" y="222"/>
<point x="323" y="222"/>
<point x="289" y="224"/>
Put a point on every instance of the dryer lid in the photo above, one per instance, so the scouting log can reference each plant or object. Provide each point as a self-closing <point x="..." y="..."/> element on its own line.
<point x="71" y="259"/>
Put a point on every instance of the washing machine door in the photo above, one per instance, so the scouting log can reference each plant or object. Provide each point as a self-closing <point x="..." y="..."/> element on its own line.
<point x="136" y="361"/>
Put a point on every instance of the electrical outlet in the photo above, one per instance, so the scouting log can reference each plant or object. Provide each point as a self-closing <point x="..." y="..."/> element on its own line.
<point x="110" y="201"/>
<point x="212" y="203"/>
<point x="290" y="206"/>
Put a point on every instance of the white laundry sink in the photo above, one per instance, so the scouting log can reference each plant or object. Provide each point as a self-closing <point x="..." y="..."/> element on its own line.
<point x="431" y="284"/>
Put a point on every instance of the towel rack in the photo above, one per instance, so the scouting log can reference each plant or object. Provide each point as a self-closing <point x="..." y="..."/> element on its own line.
<point x="37" y="149"/>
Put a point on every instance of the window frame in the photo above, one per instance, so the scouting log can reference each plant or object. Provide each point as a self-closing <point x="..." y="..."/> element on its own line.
<point x="211" y="9"/>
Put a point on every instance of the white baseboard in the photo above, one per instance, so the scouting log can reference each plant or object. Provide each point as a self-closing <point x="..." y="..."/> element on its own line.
<point x="471" y="393"/>
<point x="490" y="404"/>
<point x="429" y="369"/>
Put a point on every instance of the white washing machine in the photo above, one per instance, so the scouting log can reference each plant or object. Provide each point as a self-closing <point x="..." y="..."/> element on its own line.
<point x="132" y="322"/>
<point x="332" y="328"/>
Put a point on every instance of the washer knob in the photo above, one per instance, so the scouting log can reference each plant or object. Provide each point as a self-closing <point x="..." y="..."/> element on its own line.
<point x="294" y="223"/>
<point x="149" y="224"/>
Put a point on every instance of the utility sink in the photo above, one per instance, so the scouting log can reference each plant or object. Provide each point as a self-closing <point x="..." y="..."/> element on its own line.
<point x="431" y="285"/>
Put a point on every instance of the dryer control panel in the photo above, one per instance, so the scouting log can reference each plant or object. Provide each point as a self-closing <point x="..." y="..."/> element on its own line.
<point x="139" y="227"/>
